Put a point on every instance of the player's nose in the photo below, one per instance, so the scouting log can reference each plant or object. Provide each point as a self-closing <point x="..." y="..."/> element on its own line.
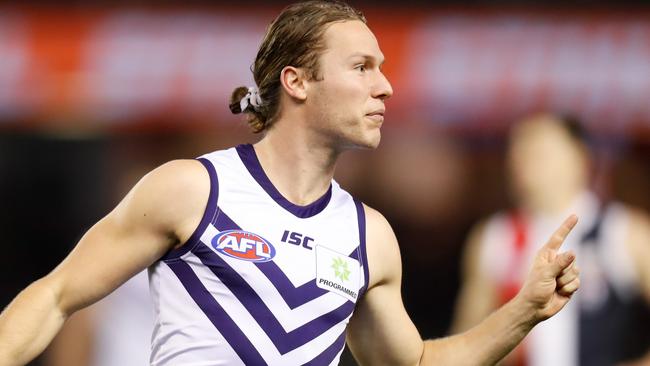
<point x="383" y="89"/>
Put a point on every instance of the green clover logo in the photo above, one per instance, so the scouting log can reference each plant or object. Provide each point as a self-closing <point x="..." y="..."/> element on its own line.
<point x="341" y="269"/>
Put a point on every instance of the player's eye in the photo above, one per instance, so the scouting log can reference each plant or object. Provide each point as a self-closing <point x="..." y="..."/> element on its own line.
<point x="361" y="68"/>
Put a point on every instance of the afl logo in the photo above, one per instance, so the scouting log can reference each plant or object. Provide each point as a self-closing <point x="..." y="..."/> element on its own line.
<point x="243" y="245"/>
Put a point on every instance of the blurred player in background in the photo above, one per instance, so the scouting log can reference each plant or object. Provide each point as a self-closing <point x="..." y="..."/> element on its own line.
<point x="255" y="255"/>
<point x="549" y="168"/>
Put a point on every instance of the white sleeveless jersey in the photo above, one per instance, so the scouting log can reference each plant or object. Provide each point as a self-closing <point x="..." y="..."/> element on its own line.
<point x="261" y="281"/>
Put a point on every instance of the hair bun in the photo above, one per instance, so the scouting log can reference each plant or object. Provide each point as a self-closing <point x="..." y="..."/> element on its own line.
<point x="235" y="98"/>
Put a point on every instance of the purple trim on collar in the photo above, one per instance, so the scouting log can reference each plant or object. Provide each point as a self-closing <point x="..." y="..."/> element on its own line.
<point x="252" y="163"/>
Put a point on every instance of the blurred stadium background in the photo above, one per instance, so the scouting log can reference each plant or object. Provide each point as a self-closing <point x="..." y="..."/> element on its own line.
<point x="95" y="94"/>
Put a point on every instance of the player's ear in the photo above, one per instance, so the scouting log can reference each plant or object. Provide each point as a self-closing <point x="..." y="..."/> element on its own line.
<point x="294" y="82"/>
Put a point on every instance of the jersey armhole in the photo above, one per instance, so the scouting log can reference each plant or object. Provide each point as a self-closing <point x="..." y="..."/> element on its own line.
<point x="208" y="215"/>
<point x="363" y="257"/>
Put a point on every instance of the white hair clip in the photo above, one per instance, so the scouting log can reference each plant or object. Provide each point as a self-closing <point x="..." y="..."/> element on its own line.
<point x="252" y="97"/>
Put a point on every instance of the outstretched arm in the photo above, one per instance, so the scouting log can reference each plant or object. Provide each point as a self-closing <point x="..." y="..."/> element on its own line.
<point x="381" y="333"/>
<point x="160" y="212"/>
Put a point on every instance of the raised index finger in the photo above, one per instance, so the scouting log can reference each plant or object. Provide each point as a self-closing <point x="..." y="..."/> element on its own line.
<point x="556" y="240"/>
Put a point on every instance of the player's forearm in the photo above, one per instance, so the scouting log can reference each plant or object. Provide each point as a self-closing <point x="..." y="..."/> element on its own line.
<point x="28" y="324"/>
<point x="486" y="343"/>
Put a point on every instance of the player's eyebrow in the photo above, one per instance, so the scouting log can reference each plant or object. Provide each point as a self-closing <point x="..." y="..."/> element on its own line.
<point x="369" y="57"/>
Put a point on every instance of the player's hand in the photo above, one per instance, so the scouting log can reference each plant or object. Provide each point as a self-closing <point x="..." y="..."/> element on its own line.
<point x="553" y="277"/>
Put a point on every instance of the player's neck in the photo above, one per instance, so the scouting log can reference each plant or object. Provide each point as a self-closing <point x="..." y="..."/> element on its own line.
<point x="301" y="170"/>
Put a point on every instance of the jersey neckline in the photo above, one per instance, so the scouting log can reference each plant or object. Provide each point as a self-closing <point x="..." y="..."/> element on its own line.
<point x="248" y="156"/>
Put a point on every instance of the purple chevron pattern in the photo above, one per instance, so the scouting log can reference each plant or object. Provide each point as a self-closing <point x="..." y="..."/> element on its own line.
<point x="217" y="315"/>
<point x="284" y="341"/>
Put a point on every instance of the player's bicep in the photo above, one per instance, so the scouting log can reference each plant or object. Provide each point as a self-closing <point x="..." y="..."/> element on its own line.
<point x="380" y="331"/>
<point x="134" y="235"/>
<point x="105" y="257"/>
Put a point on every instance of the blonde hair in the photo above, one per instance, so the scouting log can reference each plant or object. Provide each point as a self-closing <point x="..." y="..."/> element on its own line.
<point x="294" y="38"/>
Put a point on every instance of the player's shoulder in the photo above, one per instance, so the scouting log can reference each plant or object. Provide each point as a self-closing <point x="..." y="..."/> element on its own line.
<point x="384" y="258"/>
<point x="637" y="223"/>
<point x="618" y="214"/>
<point x="376" y="223"/>
<point x="637" y="216"/>
<point x="497" y="221"/>
<point x="498" y="225"/>
<point x="178" y="172"/>
<point x="177" y="179"/>
<point x="171" y="191"/>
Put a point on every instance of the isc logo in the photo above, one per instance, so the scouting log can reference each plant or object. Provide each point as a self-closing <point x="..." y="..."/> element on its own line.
<point x="243" y="245"/>
<point x="297" y="239"/>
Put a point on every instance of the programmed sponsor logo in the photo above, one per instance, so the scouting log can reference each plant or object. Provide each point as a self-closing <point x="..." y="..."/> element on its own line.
<point x="243" y="245"/>
<point x="337" y="273"/>
<point x="336" y="286"/>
